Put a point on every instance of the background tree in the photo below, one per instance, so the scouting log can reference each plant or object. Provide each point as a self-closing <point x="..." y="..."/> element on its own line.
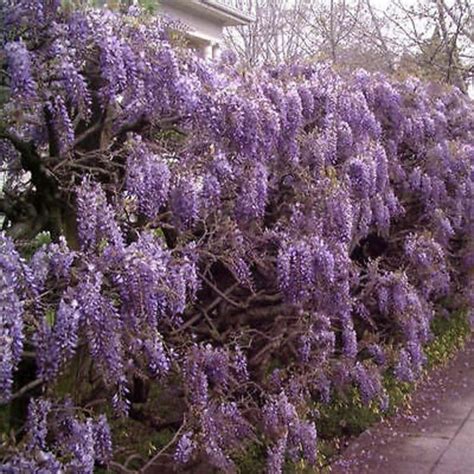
<point x="432" y="39"/>
<point x="435" y="35"/>
<point x="273" y="37"/>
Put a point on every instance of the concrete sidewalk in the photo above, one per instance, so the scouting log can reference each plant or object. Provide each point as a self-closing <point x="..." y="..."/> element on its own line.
<point x="436" y="436"/>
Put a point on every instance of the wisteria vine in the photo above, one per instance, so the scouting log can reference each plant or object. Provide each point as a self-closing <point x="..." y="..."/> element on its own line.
<point x="240" y="242"/>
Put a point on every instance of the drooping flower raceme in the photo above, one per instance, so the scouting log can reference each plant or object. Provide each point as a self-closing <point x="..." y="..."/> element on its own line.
<point x="11" y="314"/>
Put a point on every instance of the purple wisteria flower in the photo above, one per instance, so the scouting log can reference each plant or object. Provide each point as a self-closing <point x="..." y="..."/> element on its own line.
<point x="23" y="85"/>
<point x="184" y="448"/>
<point x="11" y="314"/>
<point x="230" y="244"/>
<point x="148" y="178"/>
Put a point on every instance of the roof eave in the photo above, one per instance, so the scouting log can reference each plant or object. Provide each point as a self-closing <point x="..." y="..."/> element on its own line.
<point x="231" y="15"/>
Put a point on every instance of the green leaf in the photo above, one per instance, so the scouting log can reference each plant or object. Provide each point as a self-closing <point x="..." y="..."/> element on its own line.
<point x="50" y="317"/>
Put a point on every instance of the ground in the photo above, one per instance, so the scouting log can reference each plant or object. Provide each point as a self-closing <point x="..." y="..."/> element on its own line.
<point x="435" y="434"/>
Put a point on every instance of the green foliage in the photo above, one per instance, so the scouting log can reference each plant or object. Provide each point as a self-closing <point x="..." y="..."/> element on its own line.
<point x="450" y="334"/>
<point x="253" y="460"/>
<point x="142" y="441"/>
<point x="398" y="392"/>
<point x="4" y="420"/>
<point x="347" y="416"/>
<point x="43" y="238"/>
<point x="158" y="232"/>
<point x="150" y="6"/>
<point x="50" y="316"/>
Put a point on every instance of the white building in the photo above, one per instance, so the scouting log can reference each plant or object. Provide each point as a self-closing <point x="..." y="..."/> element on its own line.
<point x="207" y="19"/>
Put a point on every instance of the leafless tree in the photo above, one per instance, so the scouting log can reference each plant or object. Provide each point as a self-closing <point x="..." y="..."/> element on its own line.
<point x="432" y="38"/>
<point x="332" y="24"/>
<point x="346" y="32"/>
<point x="273" y="37"/>
<point x="435" y="39"/>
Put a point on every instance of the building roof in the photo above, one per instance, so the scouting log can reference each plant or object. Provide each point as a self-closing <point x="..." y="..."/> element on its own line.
<point x="221" y="11"/>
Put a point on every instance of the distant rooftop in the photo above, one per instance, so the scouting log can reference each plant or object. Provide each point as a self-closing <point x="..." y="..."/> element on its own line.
<point x="226" y="12"/>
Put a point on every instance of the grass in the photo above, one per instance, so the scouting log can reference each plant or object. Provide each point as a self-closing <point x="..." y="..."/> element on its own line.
<point x="450" y="335"/>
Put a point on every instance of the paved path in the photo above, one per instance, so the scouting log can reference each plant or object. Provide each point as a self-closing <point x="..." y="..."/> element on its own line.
<point x="435" y="436"/>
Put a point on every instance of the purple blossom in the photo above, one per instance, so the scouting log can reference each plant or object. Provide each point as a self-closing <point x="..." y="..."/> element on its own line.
<point x="345" y="141"/>
<point x="96" y="220"/>
<point x="56" y="341"/>
<point x="39" y="266"/>
<point x="304" y="436"/>
<point x="61" y="259"/>
<point x="102" y="440"/>
<point x="240" y="364"/>
<point x="340" y="216"/>
<point x="54" y="432"/>
<point x="206" y="368"/>
<point x="20" y="463"/>
<point x="278" y="413"/>
<point x="23" y="85"/>
<point x="362" y="177"/>
<point x="37" y="423"/>
<point x="142" y="282"/>
<point x="62" y="124"/>
<point x="403" y="369"/>
<point x="158" y="360"/>
<point x="76" y="86"/>
<point x="443" y="229"/>
<point x="290" y="434"/>
<point x="349" y="339"/>
<point x="185" y="448"/>
<point x="294" y="111"/>
<point x="80" y="445"/>
<point x="113" y="68"/>
<point x="276" y="456"/>
<point x="324" y="261"/>
<point x="223" y="429"/>
<point x="211" y="192"/>
<point x="253" y="195"/>
<point x="197" y="382"/>
<point x="417" y="356"/>
<point x="185" y="203"/>
<point x="377" y="353"/>
<point x="381" y="214"/>
<point x="34" y="12"/>
<point x="414" y="179"/>
<point x="103" y="328"/>
<point x="229" y="57"/>
<point x="11" y="314"/>
<point x="368" y="382"/>
<point x="148" y="178"/>
<point x="295" y="270"/>
<point x="54" y="260"/>
<point x="318" y="342"/>
<point x="428" y="262"/>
